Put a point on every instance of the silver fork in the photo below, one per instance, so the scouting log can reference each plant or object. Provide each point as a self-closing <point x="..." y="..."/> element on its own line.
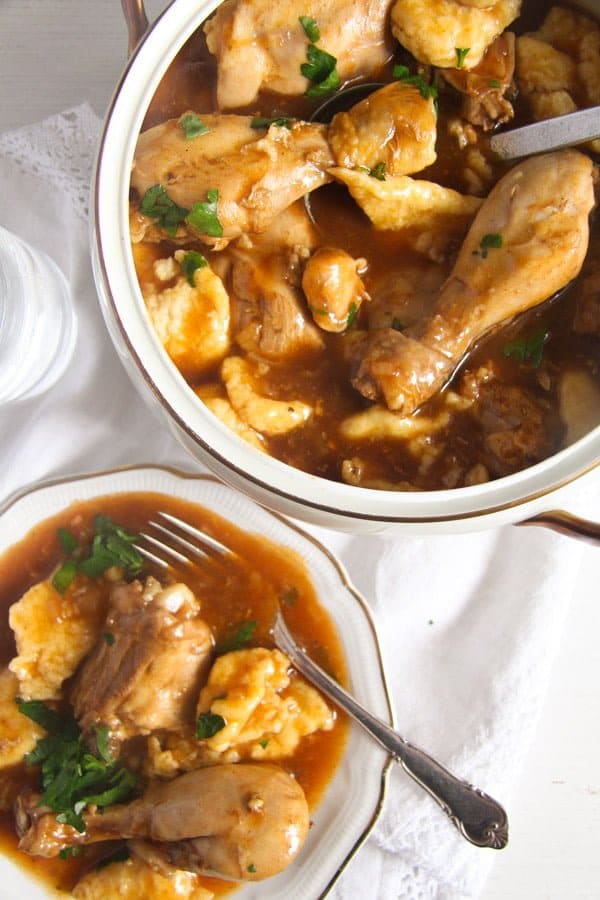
<point x="478" y="817"/>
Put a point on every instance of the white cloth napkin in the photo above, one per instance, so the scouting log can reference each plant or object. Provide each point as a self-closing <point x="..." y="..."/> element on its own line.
<point x="469" y="624"/>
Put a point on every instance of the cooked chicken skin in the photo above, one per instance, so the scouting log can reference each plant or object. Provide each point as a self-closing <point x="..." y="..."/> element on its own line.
<point x="266" y="42"/>
<point x="433" y="30"/>
<point x="240" y="821"/>
<point x="257" y="172"/>
<point x="148" y="676"/>
<point x="394" y="125"/>
<point x="528" y="240"/>
<point x="485" y="85"/>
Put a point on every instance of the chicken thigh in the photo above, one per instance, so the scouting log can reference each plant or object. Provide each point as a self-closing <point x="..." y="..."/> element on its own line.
<point x="240" y="821"/>
<point x="261" y="45"/>
<point x="147" y="674"/>
<point x="256" y="172"/>
<point x="528" y="240"/>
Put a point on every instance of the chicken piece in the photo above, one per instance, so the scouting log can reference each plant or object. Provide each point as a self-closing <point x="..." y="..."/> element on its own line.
<point x="579" y="398"/>
<point x="265" y="712"/>
<point x="133" y="878"/>
<point x="261" y="45"/>
<point x="485" y="85"/>
<point x="394" y="126"/>
<point x="434" y="218"/>
<point x="433" y="30"/>
<point x="333" y="287"/>
<point x="263" y="414"/>
<point x="403" y="297"/>
<point x="191" y="321"/>
<point x="528" y="240"/>
<point x="257" y="172"/>
<point x="242" y="821"/>
<point x="18" y="733"/>
<point x="268" y="310"/>
<point x="53" y="633"/>
<point x="147" y="676"/>
<point x="516" y="425"/>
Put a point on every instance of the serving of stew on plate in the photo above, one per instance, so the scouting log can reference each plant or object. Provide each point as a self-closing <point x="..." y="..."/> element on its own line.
<point x="354" y="283"/>
<point x="153" y="741"/>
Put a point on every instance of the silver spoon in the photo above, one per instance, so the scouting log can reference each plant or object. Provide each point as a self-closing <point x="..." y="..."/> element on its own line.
<point x="551" y="134"/>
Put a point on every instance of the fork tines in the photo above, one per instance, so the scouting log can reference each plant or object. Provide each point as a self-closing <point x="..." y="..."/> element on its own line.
<point x="202" y="548"/>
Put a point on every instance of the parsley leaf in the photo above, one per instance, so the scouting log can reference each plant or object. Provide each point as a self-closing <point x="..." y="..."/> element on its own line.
<point x="262" y="122"/>
<point x="352" y="313"/>
<point x="427" y="91"/>
<point x="494" y="83"/>
<point x="66" y="539"/>
<point x="209" y="724"/>
<point x="203" y="215"/>
<point x="156" y="204"/>
<point x="190" y="262"/>
<point x="111" y="546"/>
<point x="461" y="53"/>
<point x="72" y="777"/>
<point x="491" y="241"/>
<point x="527" y="349"/>
<point x="378" y="171"/>
<point x="311" y="29"/>
<point x="320" y="68"/>
<point x="63" y="577"/>
<point x="193" y="126"/>
<point x="240" y="639"/>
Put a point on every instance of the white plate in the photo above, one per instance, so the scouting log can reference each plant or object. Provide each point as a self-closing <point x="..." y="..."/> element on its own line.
<point x="353" y="800"/>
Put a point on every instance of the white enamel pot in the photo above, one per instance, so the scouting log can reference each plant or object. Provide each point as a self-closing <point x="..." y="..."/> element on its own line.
<point x="533" y="494"/>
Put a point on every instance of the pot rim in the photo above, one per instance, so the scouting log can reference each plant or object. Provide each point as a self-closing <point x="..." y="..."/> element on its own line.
<point x="220" y="448"/>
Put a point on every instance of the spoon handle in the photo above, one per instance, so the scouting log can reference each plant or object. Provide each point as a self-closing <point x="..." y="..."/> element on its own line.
<point x="551" y="134"/>
<point x="479" y="818"/>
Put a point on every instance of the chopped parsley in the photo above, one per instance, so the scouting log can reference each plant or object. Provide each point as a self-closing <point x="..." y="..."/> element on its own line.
<point x="352" y="314"/>
<point x="203" y="215"/>
<point x="527" y="349"/>
<point x="264" y="743"/>
<point x="209" y="724"/>
<point x="240" y="639"/>
<point x="66" y="539"/>
<point x="111" y="546"/>
<point x="320" y="68"/>
<point x="190" y="262"/>
<point x="252" y="868"/>
<point x="69" y="852"/>
<point x="288" y="595"/>
<point x="193" y="126"/>
<point x="378" y="171"/>
<point x="494" y="83"/>
<point x="461" y="53"/>
<point x="156" y="204"/>
<point x="108" y="638"/>
<point x="427" y="91"/>
<point x="261" y="122"/>
<point x="492" y="241"/>
<point x="311" y="29"/>
<point x="397" y="324"/>
<point x="73" y="777"/>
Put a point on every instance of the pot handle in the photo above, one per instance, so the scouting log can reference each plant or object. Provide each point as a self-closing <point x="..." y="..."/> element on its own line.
<point x="567" y="523"/>
<point x="137" y="22"/>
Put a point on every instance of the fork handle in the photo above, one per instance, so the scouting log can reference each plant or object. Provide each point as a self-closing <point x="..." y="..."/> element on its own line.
<point x="479" y="818"/>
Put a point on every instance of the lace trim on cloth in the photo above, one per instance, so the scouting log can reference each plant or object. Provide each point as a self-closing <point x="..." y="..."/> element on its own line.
<point x="61" y="150"/>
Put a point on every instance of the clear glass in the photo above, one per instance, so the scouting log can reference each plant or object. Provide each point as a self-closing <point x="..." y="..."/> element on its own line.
<point x="37" y="320"/>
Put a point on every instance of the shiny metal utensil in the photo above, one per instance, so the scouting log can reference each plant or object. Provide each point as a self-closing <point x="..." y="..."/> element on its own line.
<point x="478" y="817"/>
<point x="551" y="134"/>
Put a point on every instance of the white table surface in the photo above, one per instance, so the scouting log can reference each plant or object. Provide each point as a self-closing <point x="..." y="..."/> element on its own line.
<point x="58" y="53"/>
